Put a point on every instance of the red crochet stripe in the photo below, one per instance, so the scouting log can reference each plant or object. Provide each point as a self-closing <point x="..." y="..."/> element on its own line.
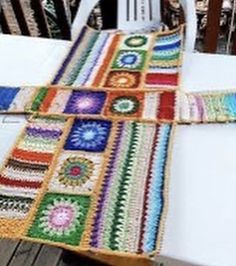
<point x="48" y="99"/>
<point x="162" y="79"/>
<point x="19" y="183"/>
<point x="167" y="106"/>
<point x="32" y="156"/>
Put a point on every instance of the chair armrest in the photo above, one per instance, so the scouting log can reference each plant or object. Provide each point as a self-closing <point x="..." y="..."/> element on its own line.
<point x="82" y="15"/>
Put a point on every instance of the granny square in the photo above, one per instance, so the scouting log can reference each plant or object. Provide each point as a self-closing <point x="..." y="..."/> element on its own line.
<point x="136" y="41"/>
<point x="124" y="104"/>
<point x="123" y="79"/>
<point x="88" y="135"/>
<point x="129" y="59"/>
<point x="85" y="102"/>
<point x="76" y="172"/>
<point x="60" y="218"/>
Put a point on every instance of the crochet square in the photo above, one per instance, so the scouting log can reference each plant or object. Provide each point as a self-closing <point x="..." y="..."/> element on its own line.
<point x="88" y="135"/>
<point x="123" y="79"/>
<point x="85" y="102"/>
<point x="128" y="59"/>
<point x="60" y="218"/>
<point x="76" y="172"/>
<point x="125" y="104"/>
<point x="7" y="95"/>
<point x="136" y="41"/>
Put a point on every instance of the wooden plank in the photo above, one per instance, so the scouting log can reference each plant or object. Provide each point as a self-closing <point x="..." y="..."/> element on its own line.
<point x="213" y="26"/>
<point x="25" y="255"/>
<point x="62" y="19"/>
<point x="40" y="18"/>
<point x="3" y="23"/>
<point x="20" y="17"/>
<point x="7" y="249"/>
<point x="71" y="258"/>
<point x="48" y="256"/>
<point x="87" y="258"/>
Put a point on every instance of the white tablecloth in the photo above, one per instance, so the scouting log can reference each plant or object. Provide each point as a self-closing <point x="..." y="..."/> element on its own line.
<point x="201" y="219"/>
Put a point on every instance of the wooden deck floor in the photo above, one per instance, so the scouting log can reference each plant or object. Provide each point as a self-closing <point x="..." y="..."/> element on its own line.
<point x="20" y="253"/>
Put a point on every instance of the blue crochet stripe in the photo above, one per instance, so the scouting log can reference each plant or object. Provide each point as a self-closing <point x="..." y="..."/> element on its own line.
<point x="230" y="104"/>
<point x="160" y="47"/>
<point x="7" y="95"/>
<point x="155" y="199"/>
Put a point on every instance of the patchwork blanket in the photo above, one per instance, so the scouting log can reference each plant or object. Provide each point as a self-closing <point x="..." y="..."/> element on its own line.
<point x="89" y="172"/>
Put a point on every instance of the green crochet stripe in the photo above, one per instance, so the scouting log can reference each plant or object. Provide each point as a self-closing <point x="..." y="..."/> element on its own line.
<point x="122" y="190"/>
<point x="82" y="60"/>
<point x="39" y="99"/>
<point x="210" y="107"/>
<point x="166" y="57"/>
<point x="49" y="120"/>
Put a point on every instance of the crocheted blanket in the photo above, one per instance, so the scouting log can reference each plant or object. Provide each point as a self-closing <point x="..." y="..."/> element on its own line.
<point x="90" y="169"/>
<point x="140" y="105"/>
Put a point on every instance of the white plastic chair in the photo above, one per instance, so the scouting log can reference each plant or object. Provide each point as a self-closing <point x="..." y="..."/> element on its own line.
<point x="140" y="14"/>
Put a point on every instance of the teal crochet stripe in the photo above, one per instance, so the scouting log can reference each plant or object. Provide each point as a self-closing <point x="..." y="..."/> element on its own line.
<point x="156" y="194"/>
<point x="82" y="60"/>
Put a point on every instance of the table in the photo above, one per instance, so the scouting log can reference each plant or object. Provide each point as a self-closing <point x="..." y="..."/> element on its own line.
<point x="201" y="219"/>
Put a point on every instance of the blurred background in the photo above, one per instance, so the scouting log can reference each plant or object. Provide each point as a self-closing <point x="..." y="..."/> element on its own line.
<point x="53" y="19"/>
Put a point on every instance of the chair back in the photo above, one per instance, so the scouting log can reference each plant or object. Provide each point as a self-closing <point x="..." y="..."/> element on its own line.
<point x="134" y="15"/>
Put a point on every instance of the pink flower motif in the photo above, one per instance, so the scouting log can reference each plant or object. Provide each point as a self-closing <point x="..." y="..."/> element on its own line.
<point x="61" y="217"/>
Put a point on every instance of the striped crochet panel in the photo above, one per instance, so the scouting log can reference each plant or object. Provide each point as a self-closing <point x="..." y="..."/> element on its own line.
<point x="130" y="201"/>
<point x="119" y="104"/>
<point x="114" y="60"/>
<point x="142" y="105"/>
<point x="24" y="171"/>
<point x="206" y="107"/>
<point x="163" y="67"/>
<point x="56" y="183"/>
<point x="16" y="99"/>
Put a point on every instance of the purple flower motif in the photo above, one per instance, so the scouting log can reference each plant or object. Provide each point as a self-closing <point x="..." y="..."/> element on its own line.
<point x="85" y="102"/>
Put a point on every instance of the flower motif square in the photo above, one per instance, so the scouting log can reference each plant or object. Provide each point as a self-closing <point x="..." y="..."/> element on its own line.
<point x="60" y="218"/>
<point x="125" y="104"/>
<point x="131" y="60"/>
<point x="88" y="135"/>
<point x="137" y="41"/>
<point x="76" y="172"/>
<point x="123" y="79"/>
<point x="85" y="102"/>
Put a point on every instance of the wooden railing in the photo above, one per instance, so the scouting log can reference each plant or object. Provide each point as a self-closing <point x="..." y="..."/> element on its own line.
<point x="18" y="11"/>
